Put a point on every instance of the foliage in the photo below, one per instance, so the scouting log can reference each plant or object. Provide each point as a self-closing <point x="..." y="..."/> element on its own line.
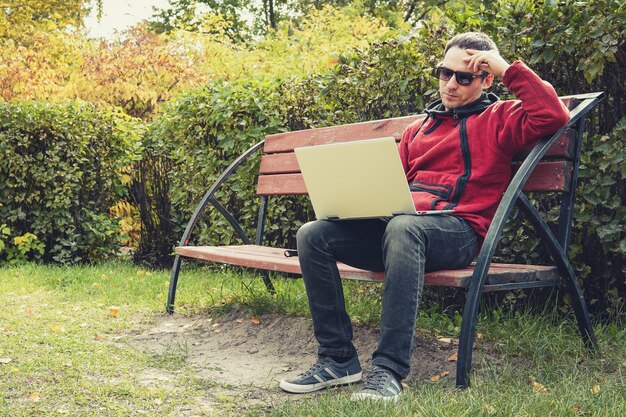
<point x="38" y="68"/>
<point x="600" y="228"/>
<point x="187" y="15"/>
<point x="39" y="45"/>
<point x="310" y="47"/>
<point x="269" y="15"/>
<point x="19" y="19"/>
<point x="199" y="136"/>
<point x="137" y="73"/>
<point x="141" y="70"/>
<point x="61" y="167"/>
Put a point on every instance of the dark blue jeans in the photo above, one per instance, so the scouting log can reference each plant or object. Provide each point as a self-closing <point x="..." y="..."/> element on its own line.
<point x="404" y="247"/>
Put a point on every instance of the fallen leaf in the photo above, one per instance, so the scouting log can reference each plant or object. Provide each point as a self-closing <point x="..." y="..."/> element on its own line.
<point x="454" y="357"/>
<point x="99" y="336"/>
<point x="57" y="329"/>
<point x="479" y="336"/>
<point x="217" y="330"/>
<point x="538" y="388"/>
<point x="95" y="284"/>
<point x="255" y="320"/>
<point x="229" y="298"/>
<point x="489" y="408"/>
<point x="34" y="397"/>
<point x="239" y="321"/>
<point x="437" y="377"/>
<point x="114" y="311"/>
<point x="445" y="339"/>
<point x="595" y="389"/>
<point x="28" y="312"/>
<point x="4" y="361"/>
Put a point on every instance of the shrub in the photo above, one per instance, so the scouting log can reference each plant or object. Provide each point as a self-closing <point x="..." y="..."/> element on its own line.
<point x="60" y="166"/>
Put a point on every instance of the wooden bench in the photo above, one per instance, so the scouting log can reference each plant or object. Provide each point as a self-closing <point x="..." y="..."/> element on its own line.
<point x="551" y="166"/>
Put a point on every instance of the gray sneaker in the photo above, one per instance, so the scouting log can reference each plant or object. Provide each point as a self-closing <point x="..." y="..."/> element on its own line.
<point x="380" y="385"/>
<point x="325" y="373"/>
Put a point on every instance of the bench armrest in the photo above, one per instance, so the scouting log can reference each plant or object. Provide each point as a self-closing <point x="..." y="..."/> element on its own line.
<point x="210" y="198"/>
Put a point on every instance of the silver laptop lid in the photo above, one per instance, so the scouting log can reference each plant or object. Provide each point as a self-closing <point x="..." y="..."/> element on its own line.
<point x="351" y="180"/>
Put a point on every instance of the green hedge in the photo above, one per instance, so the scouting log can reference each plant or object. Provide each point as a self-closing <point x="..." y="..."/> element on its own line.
<point x="61" y="167"/>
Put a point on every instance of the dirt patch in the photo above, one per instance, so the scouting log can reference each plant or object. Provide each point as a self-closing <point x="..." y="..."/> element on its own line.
<point x="246" y="357"/>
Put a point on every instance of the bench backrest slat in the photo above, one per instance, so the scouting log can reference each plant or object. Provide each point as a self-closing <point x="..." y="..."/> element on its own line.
<point x="286" y="142"/>
<point x="547" y="176"/>
<point x="280" y="173"/>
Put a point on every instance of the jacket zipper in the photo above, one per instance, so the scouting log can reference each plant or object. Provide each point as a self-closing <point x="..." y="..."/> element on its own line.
<point x="467" y="167"/>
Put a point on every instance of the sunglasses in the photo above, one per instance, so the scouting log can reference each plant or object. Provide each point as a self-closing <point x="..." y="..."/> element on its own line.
<point x="462" y="78"/>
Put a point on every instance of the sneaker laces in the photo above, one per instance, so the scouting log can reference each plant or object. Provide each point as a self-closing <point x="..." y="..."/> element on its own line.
<point x="377" y="379"/>
<point x="318" y="366"/>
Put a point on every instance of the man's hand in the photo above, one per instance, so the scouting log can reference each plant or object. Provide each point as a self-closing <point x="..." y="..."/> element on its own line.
<point x="488" y="61"/>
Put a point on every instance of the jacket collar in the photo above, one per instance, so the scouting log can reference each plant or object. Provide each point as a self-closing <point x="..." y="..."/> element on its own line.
<point x="436" y="108"/>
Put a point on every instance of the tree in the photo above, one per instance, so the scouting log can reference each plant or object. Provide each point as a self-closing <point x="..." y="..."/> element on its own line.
<point x="19" y="18"/>
<point x="187" y="15"/>
<point x="266" y="15"/>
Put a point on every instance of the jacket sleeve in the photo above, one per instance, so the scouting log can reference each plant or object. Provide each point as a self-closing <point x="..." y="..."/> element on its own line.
<point x="537" y="113"/>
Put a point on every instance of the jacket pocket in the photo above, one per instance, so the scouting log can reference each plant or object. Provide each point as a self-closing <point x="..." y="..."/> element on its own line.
<point x="440" y="190"/>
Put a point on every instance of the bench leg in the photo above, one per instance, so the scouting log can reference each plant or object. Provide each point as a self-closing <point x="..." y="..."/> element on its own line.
<point x="466" y="339"/>
<point x="567" y="272"/>
<point x="171" y="294"/>
<point x="267" y="281"/>
<point x="580" y="310"/>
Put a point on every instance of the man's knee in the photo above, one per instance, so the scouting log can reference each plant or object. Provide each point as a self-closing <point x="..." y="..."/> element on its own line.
<point x="310" y="233"/>
<point x="403" y="228"/>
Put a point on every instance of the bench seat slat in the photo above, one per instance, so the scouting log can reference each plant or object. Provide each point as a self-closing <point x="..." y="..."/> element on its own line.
<point x="273" y="259"/>
<point x="547" y="176"/>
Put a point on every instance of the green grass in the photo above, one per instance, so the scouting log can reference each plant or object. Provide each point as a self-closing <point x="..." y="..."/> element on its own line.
<point x="63" y="350"/>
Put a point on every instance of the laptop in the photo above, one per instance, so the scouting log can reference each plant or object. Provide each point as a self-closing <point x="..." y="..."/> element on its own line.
<point x="357" y="180"/>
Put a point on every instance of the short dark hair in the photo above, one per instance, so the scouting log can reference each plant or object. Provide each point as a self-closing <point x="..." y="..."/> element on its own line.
<point x="472" y="40"/>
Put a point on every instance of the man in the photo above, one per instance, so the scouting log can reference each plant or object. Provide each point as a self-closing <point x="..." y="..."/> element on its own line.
<point x="458" y="158"/>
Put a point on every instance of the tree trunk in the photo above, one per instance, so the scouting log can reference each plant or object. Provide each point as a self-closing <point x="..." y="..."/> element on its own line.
<point x="272" y="15"/>
<point x="409" y="13"/>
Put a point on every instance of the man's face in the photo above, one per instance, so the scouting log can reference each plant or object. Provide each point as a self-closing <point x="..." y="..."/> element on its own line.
<point x="454" y="95"/>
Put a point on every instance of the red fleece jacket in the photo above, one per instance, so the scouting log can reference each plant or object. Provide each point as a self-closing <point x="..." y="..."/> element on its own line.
<point x="462" y="159"/>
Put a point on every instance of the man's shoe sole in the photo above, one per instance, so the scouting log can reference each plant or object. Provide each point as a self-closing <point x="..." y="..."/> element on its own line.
<point x="366" y="396"/>
<point x="303" y="389"/>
